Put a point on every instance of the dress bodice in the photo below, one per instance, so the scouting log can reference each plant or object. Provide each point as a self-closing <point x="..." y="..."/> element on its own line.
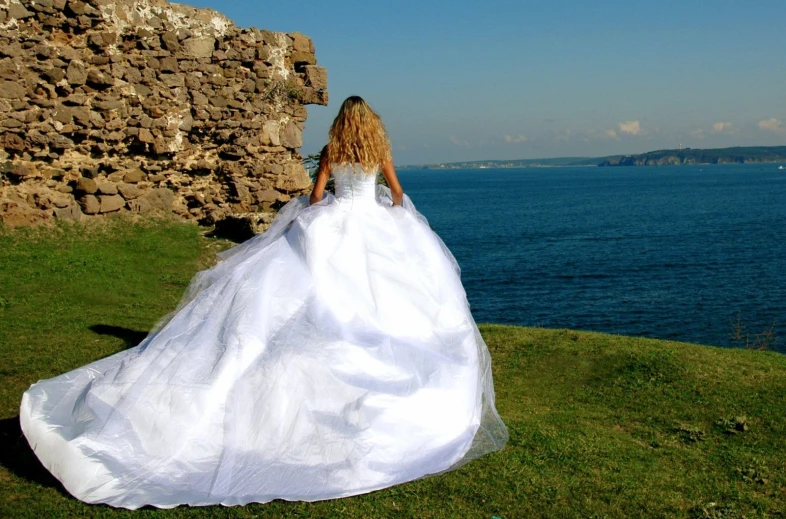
<point x="354" y="183"/>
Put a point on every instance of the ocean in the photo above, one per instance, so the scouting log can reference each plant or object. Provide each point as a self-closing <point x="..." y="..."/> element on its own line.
<point x="687" y="253"/>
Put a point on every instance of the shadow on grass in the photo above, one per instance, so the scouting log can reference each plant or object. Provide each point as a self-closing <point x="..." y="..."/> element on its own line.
<point x="18" y="458"/>
<point x="131" y="337"/>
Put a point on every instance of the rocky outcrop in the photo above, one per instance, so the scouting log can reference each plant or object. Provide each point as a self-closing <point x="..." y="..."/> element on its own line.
<point x="140" y="105"/>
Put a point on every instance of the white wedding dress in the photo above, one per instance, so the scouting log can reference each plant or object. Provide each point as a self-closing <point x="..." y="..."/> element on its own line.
<point x="333" y="355"/>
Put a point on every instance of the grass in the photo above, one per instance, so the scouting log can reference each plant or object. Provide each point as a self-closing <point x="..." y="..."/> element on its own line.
<point x="600" y="425"/>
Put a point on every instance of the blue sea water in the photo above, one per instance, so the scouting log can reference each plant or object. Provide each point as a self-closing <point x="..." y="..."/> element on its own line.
<point x="674" y="252"/>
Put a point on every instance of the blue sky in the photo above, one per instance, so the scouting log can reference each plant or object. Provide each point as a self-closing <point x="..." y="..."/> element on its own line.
<point x="465" y="80"/>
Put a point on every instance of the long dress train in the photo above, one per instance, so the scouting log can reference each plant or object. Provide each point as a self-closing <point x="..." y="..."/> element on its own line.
<point x="333" y="355"/>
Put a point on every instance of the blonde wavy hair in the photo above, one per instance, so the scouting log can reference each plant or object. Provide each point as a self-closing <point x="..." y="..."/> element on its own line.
<point x="358" y="135"/>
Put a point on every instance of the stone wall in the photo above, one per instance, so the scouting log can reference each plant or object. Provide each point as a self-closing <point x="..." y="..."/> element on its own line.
<point x="142" y="105"/>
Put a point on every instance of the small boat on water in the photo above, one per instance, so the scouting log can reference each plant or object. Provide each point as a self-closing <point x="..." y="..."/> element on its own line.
<point x="781" y="167"/>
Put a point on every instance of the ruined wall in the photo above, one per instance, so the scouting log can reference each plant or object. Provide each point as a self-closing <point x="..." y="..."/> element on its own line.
<point x="142" y="105"/>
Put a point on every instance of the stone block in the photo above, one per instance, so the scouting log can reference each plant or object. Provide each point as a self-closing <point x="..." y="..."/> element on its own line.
<point x="76" y="7"/>
<point x="219" y="101"/>
<point x="269" y="37"/>
<point x="44" y="51"/>
<point x="11" y="123"/>
<point x="86" y="185"/>
<point x="129" y="191"/>
<point x="61" y="200"/>
<point x="159" y="199"/>
<point x="267" y="195"/>
<point x="99" y="79"/>
<point x="187" y="123"/>
<point x="14" y="50"/>
<point x="11" y="90"/>
<point x="111" y="203"/>
<point x="199" y="47"/>
<point x="90" y="204"/>
<point x="68" y="213"/>
<point x="199" y="99"/>
<point x="292" y="136"/>
<point x="18" y="11"/>
<point x="142" y="90"/>
<point x="242" y="192"/>
<point x="303" y="58"/>
<point x="316" y="77"/>
<point x="81" y="115"/>
<point x="59" y="142"/>
<point x="76" y="99"/>
<point x="164" y="147"/>
<point x="76" y="73"/>
<point x="145" y="136"/>
<point x="17" y="171"/>
<point x="249" y="86"/>
<point x="169" y="65"/>
<point x="96" y="40"/>
<point x="301" y="42"/>
<point x="132" y="75"/>
<point x="63" y="114"/>
<point x="134" y="176"/>
<point x="270" y="134"/>
<point x="263" y="52"/>
<point x="173" y="80"/>
<point x="107" y="188"/>
<point x="54" y="75"/>
<point x="293" y="179"/>
<point x="171" y="42"/>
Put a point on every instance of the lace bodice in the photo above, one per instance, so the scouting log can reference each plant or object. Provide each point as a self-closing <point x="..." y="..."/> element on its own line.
<point x="353" y="183"/>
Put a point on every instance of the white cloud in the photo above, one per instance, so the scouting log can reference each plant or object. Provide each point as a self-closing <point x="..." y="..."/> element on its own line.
<point x="630" y="127"/>
<point x="697" y="133"/>
<point x="458" y="142"/>
<point x="772" y="124"/>
<point x="611" y="134"/>
<point x="517" y="139"/>
<point x="722" y="127"/>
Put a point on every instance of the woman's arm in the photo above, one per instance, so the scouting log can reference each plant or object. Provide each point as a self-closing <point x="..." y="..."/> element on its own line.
<point x="389" y="172"/>
<point x="323" y="174"/>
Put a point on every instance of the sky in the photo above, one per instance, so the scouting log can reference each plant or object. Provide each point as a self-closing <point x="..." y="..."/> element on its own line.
<point x="467" y="80"/>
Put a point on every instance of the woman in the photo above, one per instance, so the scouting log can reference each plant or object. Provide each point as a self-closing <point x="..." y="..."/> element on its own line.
<point x="333" y="355"/>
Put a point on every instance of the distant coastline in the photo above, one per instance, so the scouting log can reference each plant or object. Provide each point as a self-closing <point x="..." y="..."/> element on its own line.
<point x="683" y="156"/>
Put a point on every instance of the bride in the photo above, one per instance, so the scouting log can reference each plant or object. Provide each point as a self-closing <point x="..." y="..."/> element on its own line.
<point x="333" y="355"/>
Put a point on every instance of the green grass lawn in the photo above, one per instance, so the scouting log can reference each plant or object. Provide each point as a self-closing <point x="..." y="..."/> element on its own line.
<point x="600" y="425"/>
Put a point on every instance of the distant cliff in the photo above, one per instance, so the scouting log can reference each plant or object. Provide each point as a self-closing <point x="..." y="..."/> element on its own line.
<point x="736" y="155"/>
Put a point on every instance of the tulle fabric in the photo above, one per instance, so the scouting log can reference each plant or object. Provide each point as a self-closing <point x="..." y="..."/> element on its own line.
<point x="333" y="355"/>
